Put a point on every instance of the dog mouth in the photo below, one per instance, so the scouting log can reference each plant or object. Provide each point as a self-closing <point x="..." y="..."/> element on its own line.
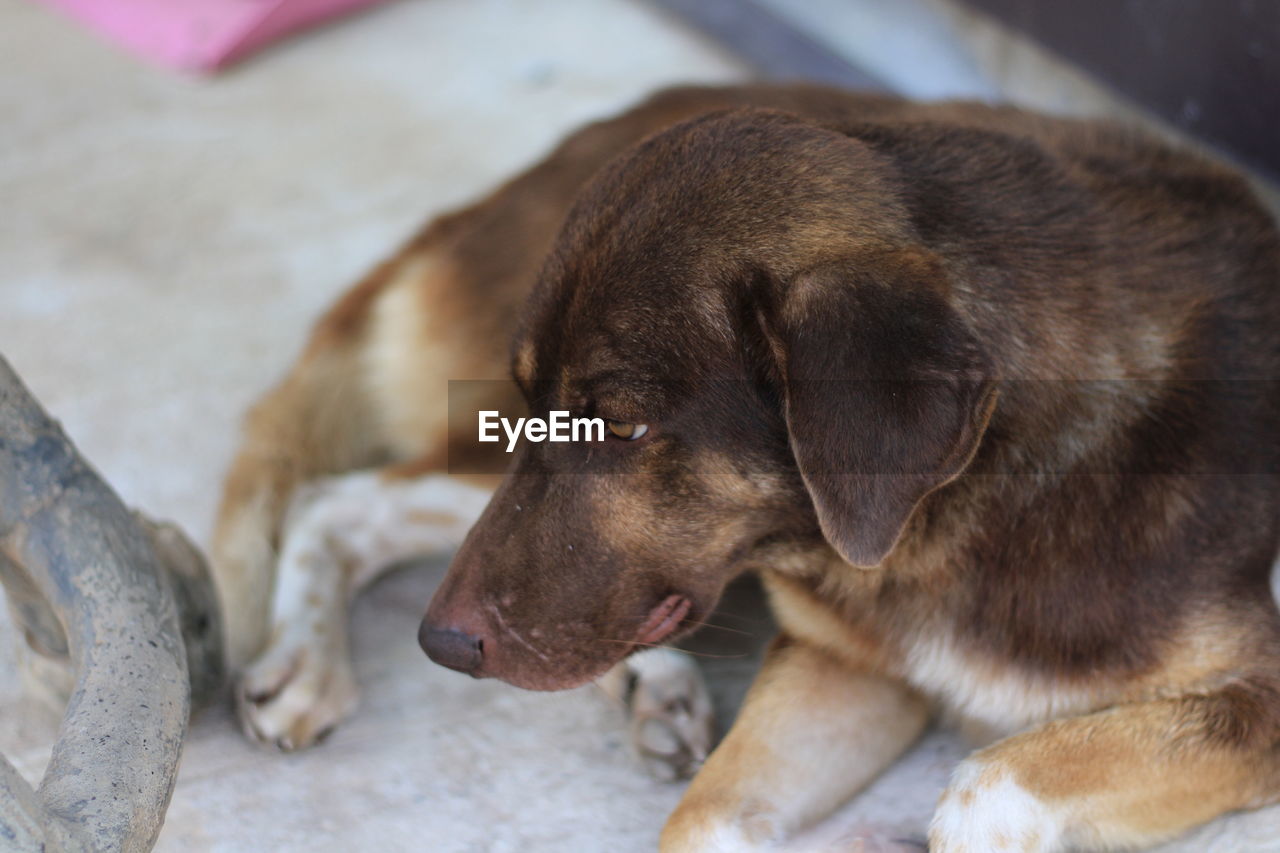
<point x="663" y="620"/>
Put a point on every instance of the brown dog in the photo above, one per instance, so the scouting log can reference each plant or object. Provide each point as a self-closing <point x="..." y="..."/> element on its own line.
<point x="989" y="399"/>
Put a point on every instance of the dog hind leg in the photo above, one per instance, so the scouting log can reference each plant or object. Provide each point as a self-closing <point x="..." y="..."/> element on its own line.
<point x="368" y="390"/>
<point x="317" y="421"/>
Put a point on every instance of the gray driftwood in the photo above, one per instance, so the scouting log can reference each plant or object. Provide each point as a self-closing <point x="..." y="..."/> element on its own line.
<point x="118" y="608"/>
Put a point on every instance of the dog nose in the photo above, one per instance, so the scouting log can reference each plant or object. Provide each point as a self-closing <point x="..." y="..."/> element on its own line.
<point x="451" y="647"/>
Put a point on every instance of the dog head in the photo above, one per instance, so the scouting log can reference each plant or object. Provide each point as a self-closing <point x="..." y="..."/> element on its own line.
<point x="781" y="367"/>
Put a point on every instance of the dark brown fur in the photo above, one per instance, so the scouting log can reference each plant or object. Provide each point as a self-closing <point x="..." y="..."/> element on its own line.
<point x="1020" y="370"/>
<point x="969" y="245"/>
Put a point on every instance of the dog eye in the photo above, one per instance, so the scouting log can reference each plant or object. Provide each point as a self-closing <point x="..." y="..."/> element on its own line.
<point x="628" y="432"/>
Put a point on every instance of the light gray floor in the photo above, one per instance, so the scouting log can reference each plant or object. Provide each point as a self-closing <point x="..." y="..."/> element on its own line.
<point x="164" y="242"/>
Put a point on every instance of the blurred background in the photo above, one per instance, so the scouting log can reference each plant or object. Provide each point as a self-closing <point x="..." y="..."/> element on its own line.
<point x="177" y="205"/>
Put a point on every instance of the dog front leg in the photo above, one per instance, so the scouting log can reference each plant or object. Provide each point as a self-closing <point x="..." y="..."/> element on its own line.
<point x="811" y="733"/>
<point x="1126" y="777"/>
<point x="340" y="534"/>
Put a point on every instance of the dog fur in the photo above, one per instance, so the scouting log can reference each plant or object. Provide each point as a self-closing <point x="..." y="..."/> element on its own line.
<point x="988" y="399"/>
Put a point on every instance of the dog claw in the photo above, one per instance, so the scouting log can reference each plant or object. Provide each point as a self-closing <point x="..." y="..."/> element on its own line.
<point x="294" y="700"/>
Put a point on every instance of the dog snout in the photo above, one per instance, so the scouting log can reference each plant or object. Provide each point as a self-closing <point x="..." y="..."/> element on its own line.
<point x="452" y="647"/>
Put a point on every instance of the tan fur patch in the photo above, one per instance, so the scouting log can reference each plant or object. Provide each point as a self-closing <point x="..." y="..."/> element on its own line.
<point x="402" y="342"/>
<point x="811" y="620"/>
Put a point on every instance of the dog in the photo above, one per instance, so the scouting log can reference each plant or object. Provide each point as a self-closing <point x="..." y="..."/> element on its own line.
<point x="987" y="399"/>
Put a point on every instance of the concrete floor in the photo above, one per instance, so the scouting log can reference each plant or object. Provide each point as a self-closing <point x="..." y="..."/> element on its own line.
<point x="164" y="242"/>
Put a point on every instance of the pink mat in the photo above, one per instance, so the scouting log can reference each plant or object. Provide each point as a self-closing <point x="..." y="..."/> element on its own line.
<point x="201" y="35"/>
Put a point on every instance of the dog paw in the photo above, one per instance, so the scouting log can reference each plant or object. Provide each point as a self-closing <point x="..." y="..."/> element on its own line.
<point x="293" y="696"/>
<point x="672" y="724"/>
<point x="985" y="809"/>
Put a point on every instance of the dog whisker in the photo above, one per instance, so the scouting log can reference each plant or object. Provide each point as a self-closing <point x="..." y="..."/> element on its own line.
<point x="738" y="617"/>
<point x="720" y="628"/>
<point x="661" y="646"/>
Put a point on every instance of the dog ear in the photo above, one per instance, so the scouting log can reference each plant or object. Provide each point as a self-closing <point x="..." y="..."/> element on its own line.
<point x="887" y="394"/>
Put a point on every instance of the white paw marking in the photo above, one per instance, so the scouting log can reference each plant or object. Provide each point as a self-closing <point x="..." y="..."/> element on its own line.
<point x="728" y="838"/>
<point x="672" y="719"/>
<point x="720" y="836"/>
<point x="984" y="810"/>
